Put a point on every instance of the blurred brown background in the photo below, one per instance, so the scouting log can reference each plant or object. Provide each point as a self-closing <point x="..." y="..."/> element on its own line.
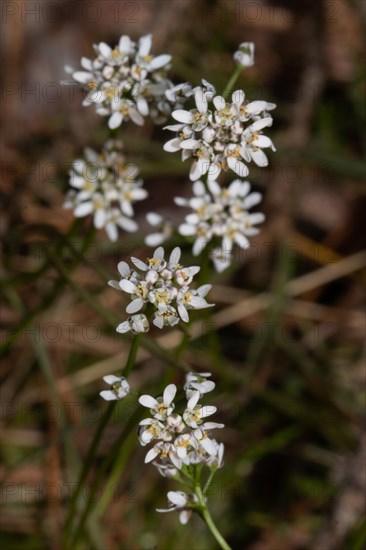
<point x="292" y="397"/>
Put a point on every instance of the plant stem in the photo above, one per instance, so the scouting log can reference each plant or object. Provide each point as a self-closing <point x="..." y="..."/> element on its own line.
<point x="132" y="355"/>
<point x="214" y="530"/>
<point x="206" y="516"/>
<point x="105" y="465"/>
<point x="209" y="480"/>
<point x="87" y="464"/>
<point x="96" y="440"/>
<point x="234" y="77"/>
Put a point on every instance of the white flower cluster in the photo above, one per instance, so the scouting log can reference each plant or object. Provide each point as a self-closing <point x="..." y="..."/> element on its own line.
<point x="221" y="135"/>
<point x="181" y="440"/>
<point x="105" y="186"/>
<point x="129" y="83"/>
<point x="163" y="284"/>
<point x="221" y="213"/>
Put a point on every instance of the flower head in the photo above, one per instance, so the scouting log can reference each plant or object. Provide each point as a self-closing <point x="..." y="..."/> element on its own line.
<point x="165" y="284"/>
<point x="105" y="186"/>
<point x="180" y="439"/>
<point x="127" y="82"/>
<point x="220" y="135"/>
<point x="221" y="213"/>
<point x="119" y="388"/>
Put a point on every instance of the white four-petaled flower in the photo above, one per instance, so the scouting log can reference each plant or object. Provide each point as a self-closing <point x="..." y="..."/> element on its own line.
<point x="119" y="388"/>
<point x="163" y="406"/>
<point x="198" y="381"/>
<point x="179" y="501"/>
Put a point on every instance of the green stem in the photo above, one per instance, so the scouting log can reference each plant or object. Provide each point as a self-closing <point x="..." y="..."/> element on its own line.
<point x="132" y="355"/>
<point x="234" y="77"/>
<point x="96" y="440"/>
<point x="206" y="516"/>
<point x="209" y="480"/>
<point x="214" y="530"/>
<point x="86" y="467"/>
<point x="105" y="465"/>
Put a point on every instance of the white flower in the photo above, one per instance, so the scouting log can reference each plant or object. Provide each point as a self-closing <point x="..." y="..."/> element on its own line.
<point x="216" y="460"/>
<point x="123" y="110"/>
<point x="165" y="285"/>
<point x="166" y="317"/>
<point x="201" y="436"/>
<point x="166" y="469"/>
<point x="175" y="423"/>
<point x="221" y="258"/>
<point x="119" y="388"/>
<point x="194" y="414"/>
<point x="164" y="226"/>
<point x="183" y="444"/>
<point x="198" y="382"/>
<point x="163" y="450"/>
<point x="150" y="429"/>
<point x="163" y="406"/>
<point x="106" y="187"/>
<point x="191" y="300"/>
<point x="215" y="136"/>
<point x="129" y="83"/>
<point x="179" y="93"/>
<point x="245" y="54"/>
<point x="180" y="501"/>
<point x="221" y="213"/>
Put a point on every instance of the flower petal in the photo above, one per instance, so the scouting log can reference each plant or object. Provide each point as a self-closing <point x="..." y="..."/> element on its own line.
<point x="183" y="116"/>
<point x="108" y="395"/>
<point x="193" y="400"/>
<point x="175" y="256"/>
<point x="259" y="157"/>
<point x="172" y="146"/>
<point x="123" y="327"/>
<point x="83" y="209"/>
<point x="111" y="379"/>
<point x="238" y="167"/>
<point x="148" y="401"/>
<point x="160" y="61"/>
<point x="139" y="264"/>
<point x="178" y="498"/>
<point x="145" y="44"/>
<point x="115" y="120"/>
<point x="201" y="100"/>
<point x="169" y="394"/>
<point x="151" y="455"/>
<point x="127" y="286"/>
<point x="207" y="410"/>
<point x="135" y="305"/>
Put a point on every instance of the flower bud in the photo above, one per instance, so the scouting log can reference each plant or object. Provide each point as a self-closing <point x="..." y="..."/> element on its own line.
<point x="245" y="54"/>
